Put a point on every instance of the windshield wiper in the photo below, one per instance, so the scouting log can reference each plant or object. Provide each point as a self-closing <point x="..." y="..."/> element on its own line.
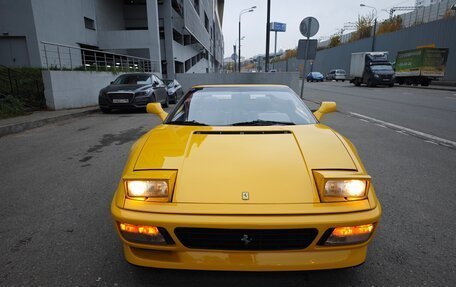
<point x="263" y="123"/>
<point x="187" y="123"/>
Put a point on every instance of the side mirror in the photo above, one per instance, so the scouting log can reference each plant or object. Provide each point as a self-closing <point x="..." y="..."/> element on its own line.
<point x="325" y="108"/>
<point x="156" y="109"/>
<point x="112" y="82"/>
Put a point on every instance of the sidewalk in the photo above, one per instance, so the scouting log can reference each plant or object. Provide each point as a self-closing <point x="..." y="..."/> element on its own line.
<point x="431" y="87"/>
<point x="40" y="118"/>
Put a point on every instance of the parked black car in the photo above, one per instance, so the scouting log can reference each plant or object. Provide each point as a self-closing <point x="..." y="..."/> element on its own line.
<point x="133" y="90"/>
<point x="175" y="91"/>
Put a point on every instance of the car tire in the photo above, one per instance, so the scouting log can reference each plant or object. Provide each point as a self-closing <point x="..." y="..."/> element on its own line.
<point x="105" y="110"/>
<point x="166" y="103"/>
<point x="343" y="81"/>
<point x="172" y="98"/>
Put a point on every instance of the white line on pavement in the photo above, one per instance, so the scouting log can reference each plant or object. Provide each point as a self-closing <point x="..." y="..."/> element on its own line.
<point x="402" y="132"/>
<point x="380" y="125"/>
<point x="363" y="120"/>
<point x="431" y="142"/>
<point x="428" y="137"/>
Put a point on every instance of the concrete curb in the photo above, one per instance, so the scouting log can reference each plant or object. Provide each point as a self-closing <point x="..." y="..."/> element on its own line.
<point x="23" y="126"/>
<point x="438" y="88"/>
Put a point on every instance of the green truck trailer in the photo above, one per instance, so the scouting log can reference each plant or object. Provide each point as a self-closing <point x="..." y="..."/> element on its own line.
<point x="420" y="66"/>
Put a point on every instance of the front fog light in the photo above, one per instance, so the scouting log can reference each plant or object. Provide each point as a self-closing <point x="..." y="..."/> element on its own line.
<point x="347" y="235"/>
<point x="143" y="233"/>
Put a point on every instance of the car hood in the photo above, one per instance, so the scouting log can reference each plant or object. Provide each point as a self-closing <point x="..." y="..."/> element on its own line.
<point x="218" y="165"/>
<point x="126" y="88"/>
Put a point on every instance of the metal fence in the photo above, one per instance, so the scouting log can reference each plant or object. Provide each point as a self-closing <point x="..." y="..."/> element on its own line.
<point x="25" y="84"/>
<point x="421" y="15"/>
<point x="425" y="14"/>
<point x="65" y="57"/>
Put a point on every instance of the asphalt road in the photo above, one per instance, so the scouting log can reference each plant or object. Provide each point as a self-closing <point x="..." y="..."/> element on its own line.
<point x="57" y="183"/>
<point x="428" y="111"/>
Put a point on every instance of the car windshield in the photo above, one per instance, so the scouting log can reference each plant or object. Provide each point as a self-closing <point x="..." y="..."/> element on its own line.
<point x="241" y="106"/>
<point x="340" y="72"/>
<point x="317" y="74"/>
<point x="133" y="79"/>
<point x="381" y="68"/>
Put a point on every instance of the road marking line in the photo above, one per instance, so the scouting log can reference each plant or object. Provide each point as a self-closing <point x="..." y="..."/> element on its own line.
<point x="429" y="137"/>
<point x="380" y="125"/>
<point x="431" y="142"/>
<point x="363" y="120"/>
<point x="402" y="132"/>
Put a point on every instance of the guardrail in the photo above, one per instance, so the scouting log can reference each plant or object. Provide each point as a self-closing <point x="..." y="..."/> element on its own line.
<point x="65" y="57"/>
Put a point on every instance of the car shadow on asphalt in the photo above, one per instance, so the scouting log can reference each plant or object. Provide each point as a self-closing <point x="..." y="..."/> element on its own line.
<point x="168" y="277"/>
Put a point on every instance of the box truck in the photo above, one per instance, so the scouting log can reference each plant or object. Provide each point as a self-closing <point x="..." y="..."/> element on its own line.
<point x="420" y="66"/>
<point x="371" y="68"/>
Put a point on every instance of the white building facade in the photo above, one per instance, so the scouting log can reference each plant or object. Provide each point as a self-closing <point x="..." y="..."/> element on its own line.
<point x="178" y="36"/>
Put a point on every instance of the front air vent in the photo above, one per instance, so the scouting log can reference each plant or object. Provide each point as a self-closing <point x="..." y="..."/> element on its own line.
<point x="241" y="132"/>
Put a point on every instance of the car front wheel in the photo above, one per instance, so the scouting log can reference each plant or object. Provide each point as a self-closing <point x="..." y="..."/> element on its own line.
<point x="166" y="103"/>
<point x="105" y="110"/>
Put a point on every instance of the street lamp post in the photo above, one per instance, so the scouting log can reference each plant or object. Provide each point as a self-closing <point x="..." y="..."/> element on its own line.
<point x="375" y="24"/>
<point x="248" y="10"/>
<point x="235" y="47"/>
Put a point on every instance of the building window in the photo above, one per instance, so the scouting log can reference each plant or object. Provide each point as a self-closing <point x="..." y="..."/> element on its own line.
<point x="196" y="5"/>
<point x="206" y="22"/>
<point x="89" y="23"/>
<point x="177" y="6"/>
<point x="178" y="37"/>
<point x="135" y="2"/>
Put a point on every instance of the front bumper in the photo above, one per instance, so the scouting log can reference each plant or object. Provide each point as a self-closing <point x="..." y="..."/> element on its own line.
<point x="136" y="102"/>
<point x="177" y="256"/>
<point x="383" y="81"/>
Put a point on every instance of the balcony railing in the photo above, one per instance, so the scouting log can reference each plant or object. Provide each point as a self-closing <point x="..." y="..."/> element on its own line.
<point x="65" y="57"/>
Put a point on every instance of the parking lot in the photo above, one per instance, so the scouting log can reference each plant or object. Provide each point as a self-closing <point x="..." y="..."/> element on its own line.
<point x="58" y="182"/>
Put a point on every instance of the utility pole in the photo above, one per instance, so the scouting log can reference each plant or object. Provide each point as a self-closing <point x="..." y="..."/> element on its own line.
<point x="268" y="30"/>
<point x="275" y="49"/>
<point x="239" y="47"/>
<point x="234" y="53"/>
<point x="375" y="24"/>
<point x="251" y="9"/>
<point x="373" y="38"/>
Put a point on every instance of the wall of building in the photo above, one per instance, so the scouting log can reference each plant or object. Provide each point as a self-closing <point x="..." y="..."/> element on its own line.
<point x="74" y="89"/>
<point x="441" y="33"/>
<point x="289" y="79"/>
<point x="13" y="26"/>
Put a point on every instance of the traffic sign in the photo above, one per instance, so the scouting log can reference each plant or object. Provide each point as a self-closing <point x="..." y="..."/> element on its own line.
<point x="309" y="27"/>
<point x="278" y="27"/>
<point x="233" y="57"/>
<point x="307" y="49"/>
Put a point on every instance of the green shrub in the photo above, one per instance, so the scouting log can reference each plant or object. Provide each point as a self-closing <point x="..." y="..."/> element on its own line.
<point x="10" y="107"/>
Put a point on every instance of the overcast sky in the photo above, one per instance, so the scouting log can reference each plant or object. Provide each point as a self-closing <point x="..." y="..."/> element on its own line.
<point x="332" y="14"/>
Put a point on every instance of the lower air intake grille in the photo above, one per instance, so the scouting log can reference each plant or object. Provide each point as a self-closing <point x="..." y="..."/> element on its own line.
<point x="246" y="239"/>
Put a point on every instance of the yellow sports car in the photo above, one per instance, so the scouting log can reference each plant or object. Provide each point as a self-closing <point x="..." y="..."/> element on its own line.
<point x="244" y="177"/>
